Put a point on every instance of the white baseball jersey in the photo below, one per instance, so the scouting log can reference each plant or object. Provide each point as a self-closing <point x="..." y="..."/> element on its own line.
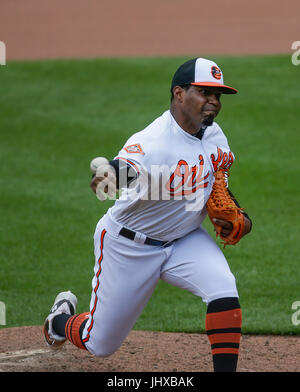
<point x="175" y="178"/>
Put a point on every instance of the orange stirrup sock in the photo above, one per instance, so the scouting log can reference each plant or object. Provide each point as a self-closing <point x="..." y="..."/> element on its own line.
<point x="74" y="328"/>
<point x="223" y="327"/>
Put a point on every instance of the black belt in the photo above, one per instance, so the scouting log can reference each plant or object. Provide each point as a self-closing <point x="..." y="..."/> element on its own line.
<point x="149" y="241"/>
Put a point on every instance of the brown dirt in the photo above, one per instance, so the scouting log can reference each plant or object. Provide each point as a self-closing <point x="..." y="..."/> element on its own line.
<point x="35" y="29"/>
<point x="24" y="350"/>
<point x="89" y="28"/>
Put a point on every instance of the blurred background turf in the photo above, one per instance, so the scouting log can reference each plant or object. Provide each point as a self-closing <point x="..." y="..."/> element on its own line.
<point x="55" y="116"/>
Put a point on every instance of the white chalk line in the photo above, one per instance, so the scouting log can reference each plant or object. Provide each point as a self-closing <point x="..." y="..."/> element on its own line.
<point x="23" y="353"/>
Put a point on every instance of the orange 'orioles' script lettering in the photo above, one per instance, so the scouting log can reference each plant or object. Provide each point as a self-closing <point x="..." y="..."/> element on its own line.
<point x="223" y="160"/>
<point x="185" y="180"/>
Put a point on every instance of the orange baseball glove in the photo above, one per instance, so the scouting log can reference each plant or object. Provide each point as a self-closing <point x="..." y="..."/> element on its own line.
<point x="220" y="205"/>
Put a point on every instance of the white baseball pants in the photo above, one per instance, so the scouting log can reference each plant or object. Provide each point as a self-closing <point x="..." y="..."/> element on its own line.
<point x="127" y="272"/>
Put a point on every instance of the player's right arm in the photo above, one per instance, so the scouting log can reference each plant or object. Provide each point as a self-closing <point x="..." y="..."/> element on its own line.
<point x="110" y="176"/>
<point x="129" y="165"/>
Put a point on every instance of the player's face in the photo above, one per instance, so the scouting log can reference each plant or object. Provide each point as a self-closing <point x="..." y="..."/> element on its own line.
<point x="199" y="105"/>
<point x="202" y="104"/>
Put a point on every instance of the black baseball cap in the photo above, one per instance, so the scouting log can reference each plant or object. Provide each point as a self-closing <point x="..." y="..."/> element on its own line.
<point x="201" y="72"/>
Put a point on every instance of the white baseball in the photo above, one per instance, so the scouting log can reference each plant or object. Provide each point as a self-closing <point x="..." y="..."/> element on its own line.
<point x="96" y="162"/>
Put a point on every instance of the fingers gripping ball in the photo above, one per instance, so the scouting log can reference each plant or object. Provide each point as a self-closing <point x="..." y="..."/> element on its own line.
<point x="220" y="205"/>
<point x="105" y="178"/>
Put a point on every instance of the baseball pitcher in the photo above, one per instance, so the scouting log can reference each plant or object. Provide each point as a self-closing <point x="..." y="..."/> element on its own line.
<point x="168" y="178"/>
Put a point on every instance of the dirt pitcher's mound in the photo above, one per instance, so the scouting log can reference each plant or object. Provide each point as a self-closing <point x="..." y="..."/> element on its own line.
<point x="24" y="350"/>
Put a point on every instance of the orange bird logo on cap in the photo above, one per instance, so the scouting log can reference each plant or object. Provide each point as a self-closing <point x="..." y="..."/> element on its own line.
<point x="216" y="72"/>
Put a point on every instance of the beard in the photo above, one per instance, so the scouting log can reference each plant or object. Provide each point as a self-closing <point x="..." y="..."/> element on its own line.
<point x="208" y="120"/>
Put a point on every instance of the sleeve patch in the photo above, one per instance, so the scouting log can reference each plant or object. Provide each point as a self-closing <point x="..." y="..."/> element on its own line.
<point x="134" y="149"/>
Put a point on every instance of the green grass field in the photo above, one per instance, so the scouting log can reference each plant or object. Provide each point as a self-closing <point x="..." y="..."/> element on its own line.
<point x="55" y="116"/>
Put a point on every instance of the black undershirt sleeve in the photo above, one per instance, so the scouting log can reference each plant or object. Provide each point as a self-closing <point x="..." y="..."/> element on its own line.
<point x="125" y="174"/>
